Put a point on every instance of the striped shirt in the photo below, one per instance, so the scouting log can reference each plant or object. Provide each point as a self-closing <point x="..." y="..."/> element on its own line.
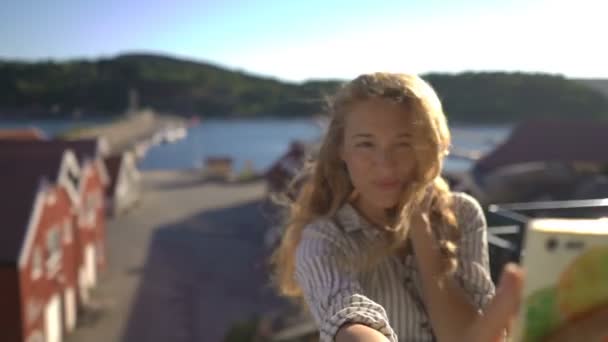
<point x="388" y="297"/>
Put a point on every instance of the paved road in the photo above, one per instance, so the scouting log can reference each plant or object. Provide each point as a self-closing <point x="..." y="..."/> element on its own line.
<point x="184" y="265"/>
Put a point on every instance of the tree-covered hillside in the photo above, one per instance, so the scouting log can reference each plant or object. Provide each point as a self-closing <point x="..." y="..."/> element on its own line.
<point x="186" y="87"/>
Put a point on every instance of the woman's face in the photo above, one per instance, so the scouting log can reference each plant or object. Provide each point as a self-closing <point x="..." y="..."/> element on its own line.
<point x="378" y="151"/>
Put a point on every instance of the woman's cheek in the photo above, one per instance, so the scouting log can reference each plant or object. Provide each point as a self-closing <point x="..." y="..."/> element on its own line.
<point x="358" y="172"/>
<point x="361" y="166"/>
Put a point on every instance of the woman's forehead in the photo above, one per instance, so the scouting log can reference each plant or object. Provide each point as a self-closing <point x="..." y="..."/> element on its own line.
<point x="379" y="117"/>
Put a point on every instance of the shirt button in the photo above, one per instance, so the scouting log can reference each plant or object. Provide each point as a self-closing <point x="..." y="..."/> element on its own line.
<point x="424" y="325"/>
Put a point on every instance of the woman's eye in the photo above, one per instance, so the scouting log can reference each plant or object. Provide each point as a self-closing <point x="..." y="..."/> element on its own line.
<point x="404" y="144"/>
<point x="364" y="144"/>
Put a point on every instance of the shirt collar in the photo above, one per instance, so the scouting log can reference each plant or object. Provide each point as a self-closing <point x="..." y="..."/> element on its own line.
<point x="352" y="221"/>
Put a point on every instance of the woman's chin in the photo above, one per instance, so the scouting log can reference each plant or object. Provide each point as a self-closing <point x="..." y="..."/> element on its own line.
<point x="380" y="199"/>
<point x="384" y="203"/>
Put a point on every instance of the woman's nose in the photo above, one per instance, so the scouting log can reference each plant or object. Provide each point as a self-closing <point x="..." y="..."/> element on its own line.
<point x="385" y="158"/>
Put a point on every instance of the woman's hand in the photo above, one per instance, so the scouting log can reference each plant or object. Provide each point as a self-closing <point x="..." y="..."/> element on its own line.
<point x="500" y="313"/>
<point x="502" y="310"/>
<point x="420" y="222"/>
<point x="359" y="333"/>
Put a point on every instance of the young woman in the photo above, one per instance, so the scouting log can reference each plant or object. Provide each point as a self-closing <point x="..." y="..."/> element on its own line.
<point x="376" y="244"/>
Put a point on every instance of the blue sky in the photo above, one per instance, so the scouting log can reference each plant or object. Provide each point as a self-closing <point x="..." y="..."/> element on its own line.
<point x="297" y="40"/>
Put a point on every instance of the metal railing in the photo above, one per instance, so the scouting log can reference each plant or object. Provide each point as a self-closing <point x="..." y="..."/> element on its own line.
<point x="507" y="224"/>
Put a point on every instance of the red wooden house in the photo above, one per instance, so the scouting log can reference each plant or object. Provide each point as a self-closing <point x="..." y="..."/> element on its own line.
<point x="38" y="247"/>
<point x="90" y="183"/>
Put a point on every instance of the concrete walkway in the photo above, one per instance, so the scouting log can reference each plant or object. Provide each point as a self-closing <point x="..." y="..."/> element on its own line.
<point x="184" y="265"/>
<point x="125" y="133"/>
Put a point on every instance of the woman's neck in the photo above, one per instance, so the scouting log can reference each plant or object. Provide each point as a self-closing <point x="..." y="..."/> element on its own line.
<point x="378" y="217"/>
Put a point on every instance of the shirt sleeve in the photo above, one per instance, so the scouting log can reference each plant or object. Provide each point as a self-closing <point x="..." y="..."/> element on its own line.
<point x="473" y="271"/>
<point x="331" y="290"/>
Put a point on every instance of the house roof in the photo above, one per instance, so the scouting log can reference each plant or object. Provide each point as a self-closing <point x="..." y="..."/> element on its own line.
<point x="20" y="179"/>
<point x="83" y="149"/>
<point x="549" y="141"/>
<point x="29" y="133"/>
<point x="18" y="198"/>
<point x="43" y="165"/>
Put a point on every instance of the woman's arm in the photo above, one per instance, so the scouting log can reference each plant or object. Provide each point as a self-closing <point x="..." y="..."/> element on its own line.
<point x="450" y="312"/>
<point x="454" y="306"/>
<point x="332" y="291"/>
<point x="359" y="333"/>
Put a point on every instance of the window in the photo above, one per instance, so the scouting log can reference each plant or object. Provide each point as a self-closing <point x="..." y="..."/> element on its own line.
<point x="53" y="245"/>
<point x="67" y="231"/>
<point x="36" y="263"/>
<point x="87" y="217"/>
<point x="92" y="206"/>
<point x="33" y="310"/>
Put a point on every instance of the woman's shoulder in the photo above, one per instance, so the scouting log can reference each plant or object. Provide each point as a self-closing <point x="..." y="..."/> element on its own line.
<point x="466" y="207"/>
<point x="323" y="228"/>
<point x="323" y="234"/>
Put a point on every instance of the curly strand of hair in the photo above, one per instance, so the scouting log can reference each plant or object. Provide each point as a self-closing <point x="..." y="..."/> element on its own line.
<point x="445" y="225"/>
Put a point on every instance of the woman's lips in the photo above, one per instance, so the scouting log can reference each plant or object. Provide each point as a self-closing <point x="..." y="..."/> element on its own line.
<point x="387" y="184"/>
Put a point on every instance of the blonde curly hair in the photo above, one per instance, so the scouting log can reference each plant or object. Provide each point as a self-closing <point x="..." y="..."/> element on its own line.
<point x="326" y="186"/>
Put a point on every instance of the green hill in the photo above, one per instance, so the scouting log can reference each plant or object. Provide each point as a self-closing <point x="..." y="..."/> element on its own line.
<point x="499" y="96"/>
<point x="600" y="85"/>
<point x="186" y="87"/>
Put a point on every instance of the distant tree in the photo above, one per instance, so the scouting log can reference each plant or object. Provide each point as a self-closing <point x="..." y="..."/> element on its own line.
<point x="186" y="87"/>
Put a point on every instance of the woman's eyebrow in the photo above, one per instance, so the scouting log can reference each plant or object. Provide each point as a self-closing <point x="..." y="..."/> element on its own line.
<point x="362" y="135"/>
<point x="368" y="135"/>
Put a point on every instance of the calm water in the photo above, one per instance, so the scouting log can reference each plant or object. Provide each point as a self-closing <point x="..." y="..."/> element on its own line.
<point x="259" y="141"/>
<point x="263" y="141"/>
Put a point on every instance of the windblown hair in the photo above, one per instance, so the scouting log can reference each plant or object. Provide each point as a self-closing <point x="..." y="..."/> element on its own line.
<point x="326" y="186"/>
